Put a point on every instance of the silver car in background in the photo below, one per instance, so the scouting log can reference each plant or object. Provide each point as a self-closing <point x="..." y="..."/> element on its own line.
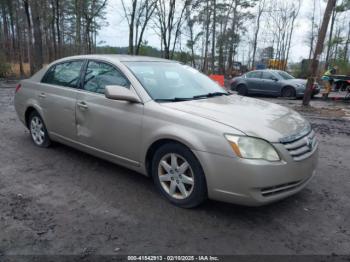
<point x="168" y="121"/>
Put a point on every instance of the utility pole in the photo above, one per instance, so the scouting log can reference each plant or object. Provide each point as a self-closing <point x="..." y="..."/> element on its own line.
<point x="319" y="48"/>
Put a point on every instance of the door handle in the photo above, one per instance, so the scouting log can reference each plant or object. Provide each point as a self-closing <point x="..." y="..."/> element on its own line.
<point x="83" y="105"/>
<point x="42" y="95"/>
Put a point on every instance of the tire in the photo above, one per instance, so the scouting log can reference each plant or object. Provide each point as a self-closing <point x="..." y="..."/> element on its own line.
<point x="242" y="90"/>
<point x="288" y="92"/>
<point x="185" y="188"/>
<point x="38" y="131"/>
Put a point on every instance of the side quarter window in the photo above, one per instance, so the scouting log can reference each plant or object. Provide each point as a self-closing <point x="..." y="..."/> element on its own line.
<point x="64" y="74"/>
<point x="99" y="74"/>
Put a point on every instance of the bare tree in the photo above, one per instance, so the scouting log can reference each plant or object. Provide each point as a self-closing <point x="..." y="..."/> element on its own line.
<point x="236" y="27"/>
<point x="130" y="17"/>
<point x="143" y="17"/>
<point x="170" y="15"/>
<point x="92" y="9"/>
<point x="222" y="39"/>
<point x="192" y="35"/>
<point x="38" y="47"/>
<point x="30" y="36"/>
<point x="312" y="33"/>
<point x="346" y="48"/>
<point x="260" y="11"/>
<point x="213" y="7"/>
<point x="294" y="15"/>
<point x="206" y="19"/>
<point x="283" y="15"/>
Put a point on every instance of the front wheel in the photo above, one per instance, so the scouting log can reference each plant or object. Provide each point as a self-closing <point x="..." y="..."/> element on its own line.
<point x="288" y="92"/>
<point x="242" y="90"/>
<point x="178" y="175"/>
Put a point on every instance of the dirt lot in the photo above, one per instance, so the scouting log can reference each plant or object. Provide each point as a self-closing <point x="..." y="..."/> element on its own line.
<point x="61" y="201"/>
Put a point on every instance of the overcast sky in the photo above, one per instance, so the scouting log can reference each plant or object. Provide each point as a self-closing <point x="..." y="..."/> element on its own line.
<point x="116" y="32"/>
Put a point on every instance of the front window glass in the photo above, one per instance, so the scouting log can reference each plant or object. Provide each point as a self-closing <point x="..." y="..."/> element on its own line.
<point x="64" y="74"/>
<point x="98" y="75"/>
<point x="285" y="75"/>
<point x="268" y="75"/>
<point x="166" y="81"/>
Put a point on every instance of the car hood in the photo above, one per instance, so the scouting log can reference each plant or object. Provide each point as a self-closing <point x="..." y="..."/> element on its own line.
<point x="251" y="116"/>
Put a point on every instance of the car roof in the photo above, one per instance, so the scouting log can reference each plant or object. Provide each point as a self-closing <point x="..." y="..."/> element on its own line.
<point x="267" y="70"/>
<point x="117" y="58"/>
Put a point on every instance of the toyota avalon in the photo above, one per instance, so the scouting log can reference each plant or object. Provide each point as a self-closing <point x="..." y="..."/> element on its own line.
<point x="168" y="121"/>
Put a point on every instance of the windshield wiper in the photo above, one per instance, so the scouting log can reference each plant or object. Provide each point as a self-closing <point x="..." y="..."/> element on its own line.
<point x="175" y="99"/>
<point x="179" y="99"/>
<point x="211" y="95"/>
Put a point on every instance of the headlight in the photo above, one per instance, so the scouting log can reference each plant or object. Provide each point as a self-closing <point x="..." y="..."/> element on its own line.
<point x="252" y="148"/>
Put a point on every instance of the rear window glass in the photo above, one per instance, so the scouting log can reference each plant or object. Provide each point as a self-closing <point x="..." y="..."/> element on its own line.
<point x="255" y="74"/>
<point x="64" y="74"/>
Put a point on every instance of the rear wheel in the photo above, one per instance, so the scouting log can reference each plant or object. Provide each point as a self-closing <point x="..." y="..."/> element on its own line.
<point x="178" y="175"/>
<point x="288" y="92"/>
<point x="242" y="90"/>
<point x="38" y="130"/>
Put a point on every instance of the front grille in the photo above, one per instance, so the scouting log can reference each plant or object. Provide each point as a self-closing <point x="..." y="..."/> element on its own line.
<point x="302" y="146"/>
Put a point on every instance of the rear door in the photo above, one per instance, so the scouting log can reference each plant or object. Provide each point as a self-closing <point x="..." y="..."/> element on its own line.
<point x="253" y="80"/>
<point x="270" y="83"/>
<point x="111" y="126"/>
<point x="58" y="92"/>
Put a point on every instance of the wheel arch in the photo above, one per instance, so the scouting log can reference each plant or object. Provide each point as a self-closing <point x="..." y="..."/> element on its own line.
<point x="242" y="84"/>
<point x="155" y="145"/>
<point x="29" y="109"/>
<point x="235" y="84"/>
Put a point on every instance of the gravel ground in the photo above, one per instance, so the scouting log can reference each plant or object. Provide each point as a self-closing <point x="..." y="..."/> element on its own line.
<point x="61" y="201"/>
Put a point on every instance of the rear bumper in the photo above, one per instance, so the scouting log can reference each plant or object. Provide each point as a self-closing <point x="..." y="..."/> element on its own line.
<point x="256" y="182"/>
<point x="20" y="109"/>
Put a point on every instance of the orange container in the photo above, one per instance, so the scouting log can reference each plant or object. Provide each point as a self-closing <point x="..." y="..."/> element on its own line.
<point x="220" y="79"/>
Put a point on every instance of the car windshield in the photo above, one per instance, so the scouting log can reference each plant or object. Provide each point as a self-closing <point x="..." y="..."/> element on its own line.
<point x="166" y="81"/>
<point x="285" y="75"/>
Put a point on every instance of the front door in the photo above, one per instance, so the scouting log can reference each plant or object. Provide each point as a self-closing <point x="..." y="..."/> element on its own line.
<point x="270" y="84"/>
<point x="110" y="126"/>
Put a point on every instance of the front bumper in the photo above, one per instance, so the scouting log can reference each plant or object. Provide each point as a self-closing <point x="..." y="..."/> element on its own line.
<point x="315" y="91"/>
<point x="256" y="182"/>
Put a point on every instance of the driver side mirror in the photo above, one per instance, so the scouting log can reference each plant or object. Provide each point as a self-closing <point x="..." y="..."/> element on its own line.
<point x="121" y="93"/>
<point x="274" y="78"/>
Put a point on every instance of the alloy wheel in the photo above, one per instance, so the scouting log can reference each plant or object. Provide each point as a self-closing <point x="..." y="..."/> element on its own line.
<point x="176" y="176"/>
<point x="37" y="130"/>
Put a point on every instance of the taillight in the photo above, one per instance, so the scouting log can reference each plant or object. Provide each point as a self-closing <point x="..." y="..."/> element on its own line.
<point x="18" y="87"/>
